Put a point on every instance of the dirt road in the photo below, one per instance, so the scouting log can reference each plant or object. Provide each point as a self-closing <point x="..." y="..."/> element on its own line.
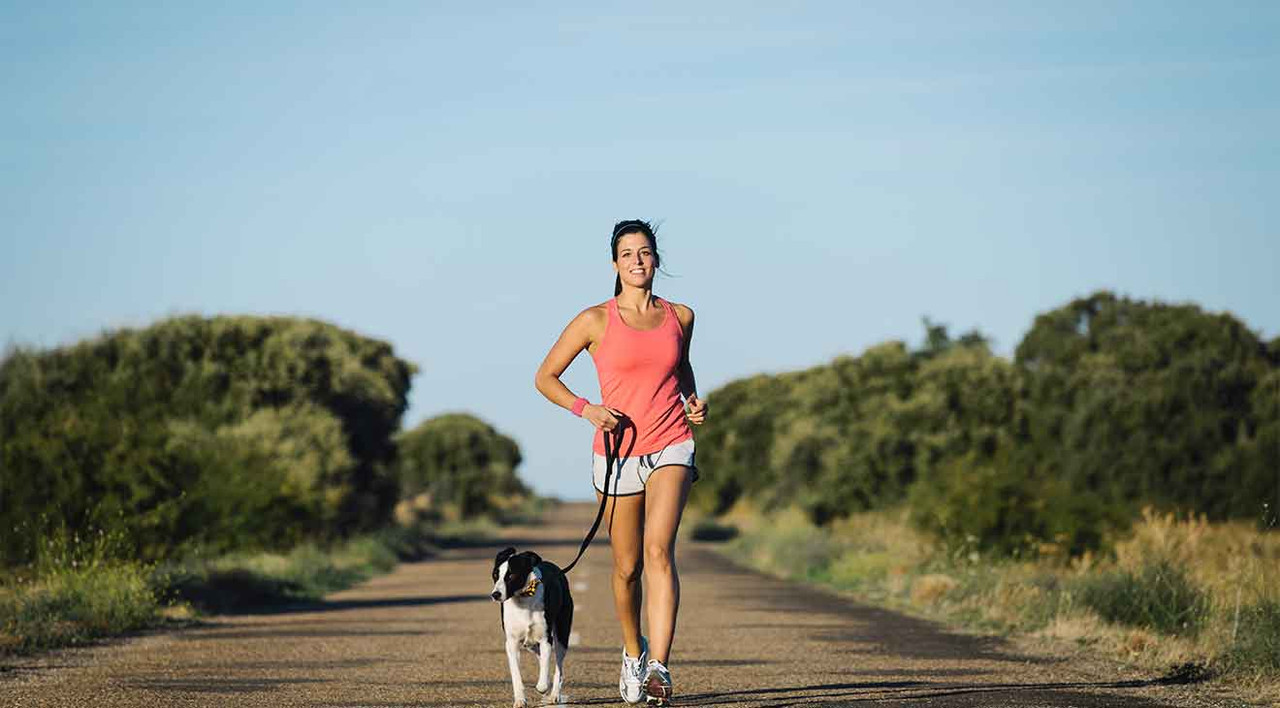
<point x="427" y="635"/>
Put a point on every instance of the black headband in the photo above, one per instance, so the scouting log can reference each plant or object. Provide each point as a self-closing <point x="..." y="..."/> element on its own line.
<point x="628" y="226"/>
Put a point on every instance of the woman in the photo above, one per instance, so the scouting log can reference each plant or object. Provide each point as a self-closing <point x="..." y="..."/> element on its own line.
<point x="640" y="346"/>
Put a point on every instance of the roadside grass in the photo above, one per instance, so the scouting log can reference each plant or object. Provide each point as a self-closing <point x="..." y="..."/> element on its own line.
<point x="82" y="589"/>
<point x="77" y="606"/>
<point x="247" y="580"/>
<point x="1159" y="595"/>
<point x="1178" y="591"/>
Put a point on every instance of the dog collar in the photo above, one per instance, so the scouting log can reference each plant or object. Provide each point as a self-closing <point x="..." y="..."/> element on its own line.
<point x="529" y="589"/>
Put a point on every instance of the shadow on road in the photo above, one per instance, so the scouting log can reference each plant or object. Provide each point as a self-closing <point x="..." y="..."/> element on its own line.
<point x="371" y="603"/>
<point x="219" y="684"/>
<point x="530" y="544"/>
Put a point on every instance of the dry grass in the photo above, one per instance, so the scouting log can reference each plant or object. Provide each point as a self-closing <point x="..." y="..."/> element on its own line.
<point x="932" y="588"/>
<point x="1225" y="580"/>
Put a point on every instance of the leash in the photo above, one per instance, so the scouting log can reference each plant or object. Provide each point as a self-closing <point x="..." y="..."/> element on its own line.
<point x="611" y="457"/>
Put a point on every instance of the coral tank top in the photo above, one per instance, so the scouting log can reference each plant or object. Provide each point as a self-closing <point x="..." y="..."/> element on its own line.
<point x="637" y="370"/>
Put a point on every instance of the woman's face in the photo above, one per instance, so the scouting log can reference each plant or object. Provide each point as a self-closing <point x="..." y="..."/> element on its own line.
<point x="636" y="260"/>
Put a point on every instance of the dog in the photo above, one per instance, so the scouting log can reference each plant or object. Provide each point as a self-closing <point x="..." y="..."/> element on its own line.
<point x="536" y="613"/>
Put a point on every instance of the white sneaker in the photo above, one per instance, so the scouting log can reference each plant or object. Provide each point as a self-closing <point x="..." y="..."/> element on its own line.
<point x="631" y="683"/>
<point x="657" y="684"/>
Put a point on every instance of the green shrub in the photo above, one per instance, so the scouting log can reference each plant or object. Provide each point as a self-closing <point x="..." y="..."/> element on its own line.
<point x="793" y="549"/>
<point x="1257" y="641"/>
<point x="708" y="529"/>
<point x="216" y="433"/>
<point x="77" y="605"/>
<point x="978" y="503"/>
<point x="460" y="461"/>
<point x="1111" y="404"/>
<point x="307" y="572"/>
<point x="1158" y="596"/>
<point x="1152" y="403"/>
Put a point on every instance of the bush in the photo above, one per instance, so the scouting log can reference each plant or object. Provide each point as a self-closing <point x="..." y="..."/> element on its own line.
<point x="1111" y="404"/>
<point x="1158" y="596"/>
<point x="459" y="461"/>
<point x="1153" y="403"/>
<point x="1257" y="642"/>
<point x="794" y="548"/>
<point x="708" y="529"/>
<point x="307" y="572"/>
<point x="75" y="606"/>
<point x="976" y="504"/>
<point x="223" y="432"/>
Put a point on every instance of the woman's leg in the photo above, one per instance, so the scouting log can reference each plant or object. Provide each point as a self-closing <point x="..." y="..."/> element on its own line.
<point x="665" y="494"/>
<point x="625" y="523"/>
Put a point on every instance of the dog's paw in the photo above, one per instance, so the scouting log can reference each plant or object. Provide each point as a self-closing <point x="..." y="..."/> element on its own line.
<point x="555" y="699"/>
<point x="520" y="703"/>
<point x="543" y="686"/>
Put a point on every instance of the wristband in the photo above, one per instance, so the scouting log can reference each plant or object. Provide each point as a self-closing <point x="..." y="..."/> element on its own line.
<point x="578" y="405"/>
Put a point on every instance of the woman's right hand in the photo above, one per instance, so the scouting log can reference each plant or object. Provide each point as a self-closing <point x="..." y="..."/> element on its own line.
<point x="601" y="417"/>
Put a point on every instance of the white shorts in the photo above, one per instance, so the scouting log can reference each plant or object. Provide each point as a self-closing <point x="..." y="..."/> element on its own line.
<point x="637" y="468"/>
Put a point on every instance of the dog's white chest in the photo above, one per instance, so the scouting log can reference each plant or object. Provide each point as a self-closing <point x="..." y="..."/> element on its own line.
<point x="527" y="625"/>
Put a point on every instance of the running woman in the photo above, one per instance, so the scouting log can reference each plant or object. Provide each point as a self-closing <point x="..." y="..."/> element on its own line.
<point x="640" y="346"/>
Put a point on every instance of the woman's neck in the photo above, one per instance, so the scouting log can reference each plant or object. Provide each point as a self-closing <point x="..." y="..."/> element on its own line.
<point x="638" y="299"/>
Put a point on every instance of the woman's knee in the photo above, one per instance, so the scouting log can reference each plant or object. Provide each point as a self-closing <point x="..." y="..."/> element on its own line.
<point x="628" y="569"/>
<point x="657" y="557"/>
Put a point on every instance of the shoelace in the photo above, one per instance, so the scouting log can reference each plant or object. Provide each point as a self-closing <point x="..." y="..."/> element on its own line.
<point x="635" y="668"/>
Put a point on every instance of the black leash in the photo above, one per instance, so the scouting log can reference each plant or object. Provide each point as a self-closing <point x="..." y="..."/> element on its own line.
<point x="611" y="457"/>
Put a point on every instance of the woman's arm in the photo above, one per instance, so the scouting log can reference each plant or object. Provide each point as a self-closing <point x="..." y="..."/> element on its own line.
<point x="684" y="374"/>
<point x="578" y="335"/>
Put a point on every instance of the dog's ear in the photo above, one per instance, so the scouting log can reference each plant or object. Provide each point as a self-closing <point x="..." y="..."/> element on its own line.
<point x="503" y="555"/>
<point x="534" y="558"/>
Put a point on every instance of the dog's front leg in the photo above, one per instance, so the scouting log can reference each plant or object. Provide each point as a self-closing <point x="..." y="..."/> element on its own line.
<point x="544" y="665"/>
<point x="517" y="683"/>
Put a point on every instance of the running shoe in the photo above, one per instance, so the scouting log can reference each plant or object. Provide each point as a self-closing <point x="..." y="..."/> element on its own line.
<point x="657" y="684"/>
<point x="631" y="683"/>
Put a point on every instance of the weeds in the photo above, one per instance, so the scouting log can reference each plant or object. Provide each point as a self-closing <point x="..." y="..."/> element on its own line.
<point x="1158" y="596"/>
<point x="308" y="572"/>
<point x="74" y="606"/>
<point x="1256" y="645"/>
<point x="83" y="587"/>
<point x="1178" y="591"/>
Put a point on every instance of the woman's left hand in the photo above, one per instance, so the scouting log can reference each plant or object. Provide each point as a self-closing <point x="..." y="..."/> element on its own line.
<point x="695" y="409"/>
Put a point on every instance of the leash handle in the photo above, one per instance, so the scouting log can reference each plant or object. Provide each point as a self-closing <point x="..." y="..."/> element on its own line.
<point x="611" y="449"/>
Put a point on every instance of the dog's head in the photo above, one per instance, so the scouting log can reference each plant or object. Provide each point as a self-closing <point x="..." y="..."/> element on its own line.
<point x="511" y="572"/>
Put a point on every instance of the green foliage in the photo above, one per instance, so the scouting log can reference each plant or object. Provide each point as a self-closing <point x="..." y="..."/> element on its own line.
<point x="75" y="590"/>
<point x="855" y="434"/>
<point x="811" y="437"/>
<point x="240" y="581"/>
<point x="1110" y="404"/>
<point x="210" y="433"/>
<point x="78" y="590"/>
<point x="974" y="502"/>
<point x="76" y="605"/>
<point x="461" y="461"/>
<point x="1149" y="403"/>
<point x="1159" y="595"/>
<point x="1257" y="640"/>
<point x="796" y="551"/>
<point x="710" y="530"/>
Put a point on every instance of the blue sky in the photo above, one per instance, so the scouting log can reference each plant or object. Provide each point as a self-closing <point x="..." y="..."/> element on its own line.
<point x="445" y="177"/>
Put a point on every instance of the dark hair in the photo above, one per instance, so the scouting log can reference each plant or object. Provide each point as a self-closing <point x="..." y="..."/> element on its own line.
<point x="633" y="226"/>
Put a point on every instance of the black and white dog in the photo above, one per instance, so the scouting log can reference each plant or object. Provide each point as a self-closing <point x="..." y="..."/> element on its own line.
<point x="537" y="613"/>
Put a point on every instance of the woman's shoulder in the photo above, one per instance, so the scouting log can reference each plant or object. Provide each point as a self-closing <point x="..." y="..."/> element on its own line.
<point x="683" y="312"/>
<point x="593" y="316"/>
